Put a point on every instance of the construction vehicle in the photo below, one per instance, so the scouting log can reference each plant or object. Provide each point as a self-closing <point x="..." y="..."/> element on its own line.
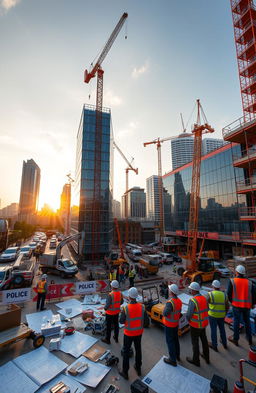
<point x="20" y="274"/>
<point x="114" y="258"/>
<point x="154" y="308"/>
<point x="148" y="266"/>
<point x="97" y="191"/>
<point x="129" y="168"/>
<point x="199" y="270"/>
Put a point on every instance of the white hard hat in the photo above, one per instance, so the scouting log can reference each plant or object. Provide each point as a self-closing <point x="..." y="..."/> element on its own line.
<point x="216" y="284"/>
<point x="114" y="284"/>
<point x="240" y="269"/>
<point x="133" y="293"/>
<point x="44" y="276"/>
<point x="173" y="288"/>
<point x="195" y="286"/>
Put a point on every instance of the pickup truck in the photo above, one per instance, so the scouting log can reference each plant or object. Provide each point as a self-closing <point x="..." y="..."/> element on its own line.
<point x="20" y="274"/>
<point x="63" y="267"/>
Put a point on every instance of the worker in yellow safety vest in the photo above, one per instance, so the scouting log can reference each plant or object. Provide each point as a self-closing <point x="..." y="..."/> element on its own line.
<point x="131" y="276"/>
<point x="112" y="275"/>
<point x="218" y="307"/>
<point x="41" y="292"/>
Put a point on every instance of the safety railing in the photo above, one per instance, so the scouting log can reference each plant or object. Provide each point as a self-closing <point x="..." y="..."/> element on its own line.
<point x="237" y="124"/>
<point x="245" y="154"/>
<point x="247" y="212"/>
<point x="246" y="184"/>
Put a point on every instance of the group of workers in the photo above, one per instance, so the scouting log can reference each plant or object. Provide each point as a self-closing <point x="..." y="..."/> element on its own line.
<point x="121" y="273"/>
<point x="202" y="310"/>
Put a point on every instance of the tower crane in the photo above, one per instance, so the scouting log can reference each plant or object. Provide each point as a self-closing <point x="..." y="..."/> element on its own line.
<point x="158" y="142"/>
<point x="197" y="271"/>
<point x="88" y="75"/>
<point x="129" y="168"/>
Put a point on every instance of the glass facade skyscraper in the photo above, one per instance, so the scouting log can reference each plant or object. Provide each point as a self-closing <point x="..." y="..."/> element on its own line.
<point x="83" y="203"/>
<point x="219" y="206"/>
<point x="29" y="190"/>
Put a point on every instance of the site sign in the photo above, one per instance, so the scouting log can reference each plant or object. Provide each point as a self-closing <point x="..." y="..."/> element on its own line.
<point x="83" y="287"/>
<point x="16" y="295"/>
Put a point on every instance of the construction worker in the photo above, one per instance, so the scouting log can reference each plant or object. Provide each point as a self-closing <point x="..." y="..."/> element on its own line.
<point x="171" y="316"/>
<point x="131" y="276"/>
<point x="112" y="274"/>
<point x="218" y="308"/>
<point x="242" y="296"/>
<point x="41" y="292"/>
<point x="120" y="273"/>
<point x="134" y="317"/>
<point x="112" y="308"/>
<point x="197" y="316"/>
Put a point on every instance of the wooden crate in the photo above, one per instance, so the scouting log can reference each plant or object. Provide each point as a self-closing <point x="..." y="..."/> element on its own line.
<point x="10" y="316"/>
<point x="248" y="262"/>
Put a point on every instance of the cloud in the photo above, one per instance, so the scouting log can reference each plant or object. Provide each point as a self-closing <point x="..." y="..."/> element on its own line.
<point x="137" y="72"/>
<point x="128" y="130"/>
<point x="6" y="5"/>
<point x="110" y="99"/>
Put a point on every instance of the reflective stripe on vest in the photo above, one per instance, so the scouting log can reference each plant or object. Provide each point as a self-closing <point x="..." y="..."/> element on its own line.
<point x="172" y="320"/>
<point x="114" y="307"/>
<point x="134" y="319"/>
<point x="131" y="274"/>
<point x="217" y="304"/>
<point x="41" y="286"/>
<point x="242" y="292"/>
<point x="200" y="317"/>
<point x="112" y="276"/>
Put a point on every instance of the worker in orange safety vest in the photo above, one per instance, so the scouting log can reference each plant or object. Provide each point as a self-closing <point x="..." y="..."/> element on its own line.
<point x="241" y="294"/>
<point x="41" y="292"/>
<point x="171" y="316"/>
<point x="197" y="316"/>
<point x="134" y="317"/>
<point x="112" y="309"/>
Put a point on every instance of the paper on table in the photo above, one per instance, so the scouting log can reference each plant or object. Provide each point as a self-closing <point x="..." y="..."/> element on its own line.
<point x="36" y="319"/>
<point x="95" y="373"/>
<point x="77" y="343"/>
<point x="13" y="380"/>
<point x="40" y="365"/>
<point x="163" y="378"/>
<point x="70" y="382"/>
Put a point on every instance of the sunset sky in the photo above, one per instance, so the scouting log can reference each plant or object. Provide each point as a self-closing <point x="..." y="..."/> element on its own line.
<point x="176" y="51"/>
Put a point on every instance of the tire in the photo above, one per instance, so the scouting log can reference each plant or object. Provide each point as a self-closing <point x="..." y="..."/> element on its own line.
<point x="18" y="280"/>
<point x="38" y="341"/>
<point x="198" y="279"/>
<point x="180" y="271"/>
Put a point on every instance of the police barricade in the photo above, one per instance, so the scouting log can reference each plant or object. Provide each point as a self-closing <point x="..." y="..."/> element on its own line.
<point x="20" y="295"/>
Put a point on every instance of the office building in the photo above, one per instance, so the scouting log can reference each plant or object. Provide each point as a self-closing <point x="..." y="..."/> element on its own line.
<point x="29" y="191"/>
<point x="182" y="149"/>
<point x="152" y="197"/>
<point x="64" y="211"/>
<point x="116" y="209"/>
<point x="136" y="203"/>
<point x="93" y="186"/>
<point x="219" y="209"/>
<point x="210" y="144"/>
<point x="9" y="211"/>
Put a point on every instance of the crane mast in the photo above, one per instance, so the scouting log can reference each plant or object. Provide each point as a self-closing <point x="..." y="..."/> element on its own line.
<point x="198" y="131"/>
<point x="96" y="208"/>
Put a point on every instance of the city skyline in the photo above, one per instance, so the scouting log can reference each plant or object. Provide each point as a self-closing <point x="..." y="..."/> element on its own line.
<point x="147" y="83"/>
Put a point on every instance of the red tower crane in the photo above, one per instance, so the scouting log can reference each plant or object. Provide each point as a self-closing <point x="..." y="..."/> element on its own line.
<point x="129" y="168"/>
<point x="158" y="142"/>
<point x="198" y="130"/>
<point x="88" y="75"/>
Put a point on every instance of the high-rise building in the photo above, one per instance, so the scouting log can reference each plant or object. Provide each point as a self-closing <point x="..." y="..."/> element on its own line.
<point x="64" y="212"/>
<point x="210" y="144"/>
<point x="87" y="196"/>
<point x="29" y="190"/>
<point x="182" y="149"/>
<point x="9" y="211"/>
<point x="152" y="192"/>
<point x="116" y="209"/>
<point x="136" y="201"/>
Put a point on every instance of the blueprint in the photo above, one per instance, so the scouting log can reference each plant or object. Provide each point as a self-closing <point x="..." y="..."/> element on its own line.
<point x="77" y="343"/>
<point x="13" y="380"/>
<point x="95" y="373"/>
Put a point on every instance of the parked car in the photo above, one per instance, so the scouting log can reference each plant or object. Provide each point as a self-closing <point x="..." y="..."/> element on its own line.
<point x="53" y="243"/>
<point x="33" y="245"/>
<point x="10" y="254"/>
<point x="166" y="258"/>
<point x="222" y="269"/>
<point x="26" y="251"/>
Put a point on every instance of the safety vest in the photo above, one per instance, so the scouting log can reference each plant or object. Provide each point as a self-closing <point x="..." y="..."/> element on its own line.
<point x="134" y="319"/>
<point x="200" y="317"/>
<point x="41" y="286"/>
<point x="131" y="274"/>
<point x="242" y="292"/>
<point x="112" y="276"/>
<point x="217" y="304"/>
<point x="115" y="305"/>
<point x="172" y="320"/>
